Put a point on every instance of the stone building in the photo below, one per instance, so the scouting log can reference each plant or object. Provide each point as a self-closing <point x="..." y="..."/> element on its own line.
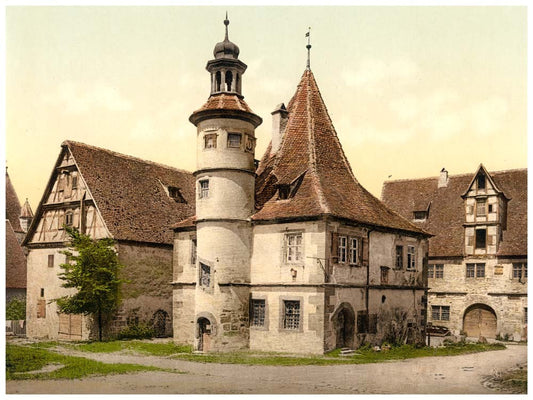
<point x="107" y="194"/>
<point x="478" y="257"/>
<point x="293" y="255"/>
<point x="17" y="221"/>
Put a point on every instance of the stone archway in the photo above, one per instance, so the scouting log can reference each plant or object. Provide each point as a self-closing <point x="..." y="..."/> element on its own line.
<point x="204" y="334"/>
<point x="480" y="320"/>
<point x="344" y="326"/>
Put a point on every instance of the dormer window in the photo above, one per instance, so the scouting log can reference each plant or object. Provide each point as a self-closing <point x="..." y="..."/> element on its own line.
<point x="234" y="140"/>
<point x="481" y="238"/>
<point x="481" y="182"/>
<point x="481" y="207"/>
<point x="420" y="215"/>
<point x="175" y="194"/>
<point x="284" y="192"/>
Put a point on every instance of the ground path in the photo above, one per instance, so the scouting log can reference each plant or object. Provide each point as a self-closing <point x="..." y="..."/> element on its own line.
<point x="462" y="374"/>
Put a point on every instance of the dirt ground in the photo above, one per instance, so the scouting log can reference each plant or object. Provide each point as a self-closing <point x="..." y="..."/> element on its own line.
<point x="465" y="374"/>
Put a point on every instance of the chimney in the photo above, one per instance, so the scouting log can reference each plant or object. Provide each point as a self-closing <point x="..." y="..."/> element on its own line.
<point x="443" y="178"/>
<point x="280" y="117"/>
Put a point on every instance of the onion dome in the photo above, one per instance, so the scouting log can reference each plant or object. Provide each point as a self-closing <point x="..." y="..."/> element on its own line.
<point x="226" y="49"/>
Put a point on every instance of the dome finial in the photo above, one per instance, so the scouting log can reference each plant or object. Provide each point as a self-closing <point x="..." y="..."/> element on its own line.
<point x="226" y="22"/>
<point x="308" y="36"/>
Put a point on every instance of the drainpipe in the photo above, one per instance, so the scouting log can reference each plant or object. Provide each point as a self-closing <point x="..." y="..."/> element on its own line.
<point x="367" y="287"/>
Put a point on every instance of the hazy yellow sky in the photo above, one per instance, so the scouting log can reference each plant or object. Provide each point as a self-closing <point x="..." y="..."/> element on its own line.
<point x="409" y="89"/>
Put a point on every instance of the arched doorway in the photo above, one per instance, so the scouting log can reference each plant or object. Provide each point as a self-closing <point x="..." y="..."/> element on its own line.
<point x="344" y="325"/>
<point x="204" y="334"/>
<point x="159" y="322"/>
<point x="480" y="320"/>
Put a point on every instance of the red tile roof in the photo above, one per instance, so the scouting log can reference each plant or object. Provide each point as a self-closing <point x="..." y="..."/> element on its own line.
<point x="223" y="105"/>
<point x="15" y="260"/>
<point x="447" y="210"/>
<point x="311" y="150"/>
<point x="13" y="209"/>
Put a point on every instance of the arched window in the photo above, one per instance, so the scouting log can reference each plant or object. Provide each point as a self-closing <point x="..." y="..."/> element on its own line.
<point x="218" y="79"/>
<point x="237" y="83"/>
<point x="229" y="80"/>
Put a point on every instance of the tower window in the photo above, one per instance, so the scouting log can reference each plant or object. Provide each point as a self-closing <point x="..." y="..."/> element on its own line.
<point x="205" y="275"/>
<point x="210" y="141"/>
<point x="204" y="189"/>
<point x="481" y="238"/>
<point x="234" y="140"/>
<point x="229" y="80"/>
<point x="218" y="81"/>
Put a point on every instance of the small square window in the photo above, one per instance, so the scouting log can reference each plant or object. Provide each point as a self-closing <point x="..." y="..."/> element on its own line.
<point x="519" y="270"/>
<point x="475" y="270"/>
<point x="440" y="313"/>
<point x="210" y="141"/>
<point x="234" y="140"/>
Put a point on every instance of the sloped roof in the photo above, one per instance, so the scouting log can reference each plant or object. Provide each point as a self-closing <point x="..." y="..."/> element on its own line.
<point x="131" y="193"/>
<point x="13" y="209"/>
<point x="447" y="211"/>
<point x="224" y="101"/>
<point x="26" y="211"/>
<point x="311" y="149"/>
<point x="15" y="260"/>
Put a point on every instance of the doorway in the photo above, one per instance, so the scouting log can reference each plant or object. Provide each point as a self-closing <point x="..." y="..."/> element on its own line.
<point x="480" y="320"/>
<point x="204" y="334"/>
<point x="344" y="323"/>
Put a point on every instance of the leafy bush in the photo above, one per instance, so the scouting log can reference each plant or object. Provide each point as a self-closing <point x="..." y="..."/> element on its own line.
<point x="137" y="331"/>
<point x="16" y="309"/>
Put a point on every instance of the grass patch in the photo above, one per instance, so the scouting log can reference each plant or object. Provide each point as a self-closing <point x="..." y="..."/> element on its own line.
<point x="22" y="359"/>
<point x="362" y="356"/>
<point x="514" y="381"/>
<point x="155" y="349"/>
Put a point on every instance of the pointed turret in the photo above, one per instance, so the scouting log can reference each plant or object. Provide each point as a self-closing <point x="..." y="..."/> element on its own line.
<point x="26" y="216"/>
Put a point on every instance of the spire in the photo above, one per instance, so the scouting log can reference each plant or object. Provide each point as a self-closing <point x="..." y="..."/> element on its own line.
<point x="308" y="36"/>
<point x="226" y="22"/>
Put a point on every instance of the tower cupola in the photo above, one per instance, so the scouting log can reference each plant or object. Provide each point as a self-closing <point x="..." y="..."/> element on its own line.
<point x="226" y="69"/>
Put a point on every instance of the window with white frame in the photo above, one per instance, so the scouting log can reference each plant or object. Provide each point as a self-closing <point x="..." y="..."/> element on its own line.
<point x="203" y="190"/>
<point x="519" y="270"/>
<point x="411" y="259"/>
<point x="440" y="313"/>
<point x="343" y="242"/>
<point x="291" y="314"/>
<point x="354" y="251"/>
<point x="294" y="249"/>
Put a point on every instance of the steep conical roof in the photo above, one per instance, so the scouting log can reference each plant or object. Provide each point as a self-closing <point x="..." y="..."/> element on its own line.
<point x="13" y="208"/>
<point x="26" y="211"/>
<point x="312" y="162"/>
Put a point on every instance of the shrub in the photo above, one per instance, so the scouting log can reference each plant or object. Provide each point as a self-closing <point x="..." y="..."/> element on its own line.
<point x="16" y="309"/>
<point x="137" y="331"/>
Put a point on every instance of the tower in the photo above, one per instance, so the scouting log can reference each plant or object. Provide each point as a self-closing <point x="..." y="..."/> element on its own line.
<point x="225" y="200"/>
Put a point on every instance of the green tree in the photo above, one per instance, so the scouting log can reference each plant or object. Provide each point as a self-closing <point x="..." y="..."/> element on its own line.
<point x="92" y="268"/>
<point x="16" y="308"/>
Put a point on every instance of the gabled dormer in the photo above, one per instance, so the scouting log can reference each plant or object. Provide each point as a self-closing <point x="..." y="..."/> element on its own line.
<point x="485" y="214"/>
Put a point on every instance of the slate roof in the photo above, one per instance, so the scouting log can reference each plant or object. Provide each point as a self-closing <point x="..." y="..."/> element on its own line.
<point x="130" y="193"/>
<point x="13" y="209"/>
<point x="15" y="260"/>
<point x="447" y="211"/>
<point x="311" y="156"/>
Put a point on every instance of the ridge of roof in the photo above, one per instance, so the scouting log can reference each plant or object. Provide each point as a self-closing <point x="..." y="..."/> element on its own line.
<point x="460" y="175"/>
<point x="121" y="155"/>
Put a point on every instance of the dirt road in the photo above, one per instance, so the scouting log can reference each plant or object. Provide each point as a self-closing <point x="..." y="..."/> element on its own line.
<point x="458" y="374"/>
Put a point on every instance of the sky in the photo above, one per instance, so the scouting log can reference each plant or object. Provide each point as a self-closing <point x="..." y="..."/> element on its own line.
<point x="410" y="90"/>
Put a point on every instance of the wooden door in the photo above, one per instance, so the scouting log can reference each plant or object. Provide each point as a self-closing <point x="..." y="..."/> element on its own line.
<point x="480" y="321"/>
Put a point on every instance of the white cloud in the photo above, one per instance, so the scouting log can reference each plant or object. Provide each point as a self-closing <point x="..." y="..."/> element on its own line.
<point x="405" y="108"/>
<point x="79" y="99"/>
<point x="488" y="115"/>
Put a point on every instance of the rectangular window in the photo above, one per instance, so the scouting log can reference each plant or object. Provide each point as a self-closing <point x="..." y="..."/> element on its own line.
<point x="193" y="251"/>
<point x="50" y="260"/>
<point x="42" y="292"/>
<point x="205" y="275"/>
<point x="293" y="251"/>
<point x="481" y="182"/>
<point x="69" y="218"/>
<point x="41" y="308"/>
<point x="481" y="238"/>
<point x="74" y="182"/>
<point x="291" y="315"/>
<point x="419" y="215"/>
<point x="343" y="241"/>
<point x="475" y="270"/>
<point x="491" y="209"/>
<point x="210" y="141"/>
<point x="519" y="270"/>
<point x="481" y="207"/>
<point x="440" y="313"/>
<point x="204" y="189"/>
<point x="354" y="249"/>
<point x="431" y="271"/>
<point x="399" y="257"/>
<point x="384" y="274"/>
<point x="258" y="312"/>
<point x="525" y="315"/>
<point x="234" y="140"/>
<point x="439" y="271"/>
<point x="411" y="259"/>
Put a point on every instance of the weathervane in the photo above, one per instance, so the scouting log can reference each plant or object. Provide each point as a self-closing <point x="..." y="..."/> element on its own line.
<point x="308" y="36"/>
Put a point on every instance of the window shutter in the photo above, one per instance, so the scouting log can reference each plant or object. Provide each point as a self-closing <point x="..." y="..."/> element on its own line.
<point x="364" y="251"/>
<point x="334" y="247"/>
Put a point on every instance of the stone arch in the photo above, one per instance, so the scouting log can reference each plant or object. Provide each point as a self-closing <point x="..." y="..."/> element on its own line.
<point x="229" y="81"/>
<point x="343" y="321"/>
<point x="205" y="330"/>
<point x="480" y="320"/>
